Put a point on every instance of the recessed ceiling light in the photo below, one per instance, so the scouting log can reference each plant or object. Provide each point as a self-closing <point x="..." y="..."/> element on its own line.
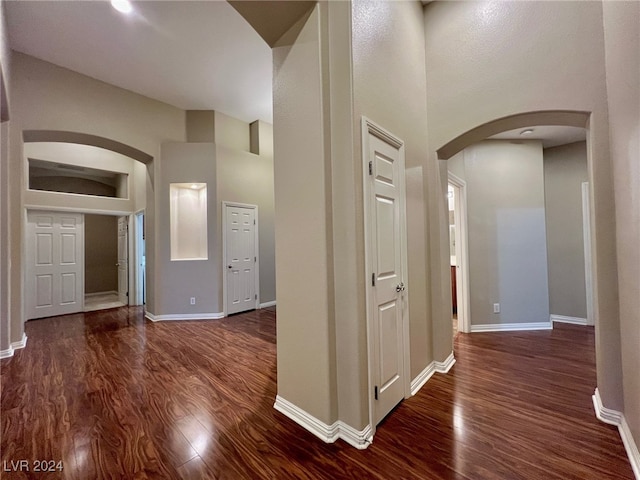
<point x="528" y="131"/>
<point x="123" y="6"/>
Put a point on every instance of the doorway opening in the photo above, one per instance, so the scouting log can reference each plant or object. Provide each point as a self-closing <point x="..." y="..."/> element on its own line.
<point x="456" y="200"/>
<point x="102" y="257"/>
<point x="517" y="215"/>
<point x="140" y="259"/>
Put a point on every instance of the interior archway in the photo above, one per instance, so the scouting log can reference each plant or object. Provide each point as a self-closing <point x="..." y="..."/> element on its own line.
<point x="565" y="118"/>
<point x="569" y="118"/>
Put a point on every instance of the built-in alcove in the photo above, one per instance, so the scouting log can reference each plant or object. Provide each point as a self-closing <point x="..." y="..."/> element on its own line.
<point x="188" y="221"/>
<point x="67" y="178"/>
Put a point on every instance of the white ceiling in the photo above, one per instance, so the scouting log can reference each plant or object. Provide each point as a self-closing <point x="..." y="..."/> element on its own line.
<point x="551" y="136"/>
<point x="195" y="55"/>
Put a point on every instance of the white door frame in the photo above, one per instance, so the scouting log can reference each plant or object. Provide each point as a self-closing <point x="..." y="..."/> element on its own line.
<point x="226" y="204"/>
<point x="462" y="252"/>
<point x="128" y="245"/>
<point x="139" y="272"/>
<point x="369" y="127"/>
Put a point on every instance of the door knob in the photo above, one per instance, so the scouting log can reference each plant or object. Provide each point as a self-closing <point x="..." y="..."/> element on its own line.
<point x="229" y="266"/>
<point x="400" y="287"/>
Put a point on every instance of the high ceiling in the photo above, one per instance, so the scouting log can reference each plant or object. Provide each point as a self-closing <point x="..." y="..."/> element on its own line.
<point x="195" y="55"/>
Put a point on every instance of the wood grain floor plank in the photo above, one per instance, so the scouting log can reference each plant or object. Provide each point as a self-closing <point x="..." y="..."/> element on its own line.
<point x="117" y="397"/>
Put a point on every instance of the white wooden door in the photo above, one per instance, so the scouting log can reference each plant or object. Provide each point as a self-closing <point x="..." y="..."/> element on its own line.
<point x="241" y="258"/>
<point x="387" y="243"/>
<point x="123" y="260"/>
<point x="55" y="263"/>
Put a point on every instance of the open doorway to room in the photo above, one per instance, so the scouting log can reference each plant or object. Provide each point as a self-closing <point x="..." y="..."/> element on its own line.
<point x="452" y="256"/>
<point x="101" y="262"/>
<point x="528" y="240"/>
<point x="140" y="260"/>
<point x="456" y="199"/>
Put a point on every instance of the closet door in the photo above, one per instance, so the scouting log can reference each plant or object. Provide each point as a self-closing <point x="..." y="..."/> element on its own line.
<point x="55" y="263"/>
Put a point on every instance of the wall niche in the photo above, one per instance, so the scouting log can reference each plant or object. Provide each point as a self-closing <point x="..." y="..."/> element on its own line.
<point x="188" y="221"/>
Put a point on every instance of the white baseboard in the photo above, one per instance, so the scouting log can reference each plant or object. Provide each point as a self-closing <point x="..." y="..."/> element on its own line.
<point x="511" y="327"/>
<point x="422" y="378"/>
<point x="565" y="319"/>
<point x="183" y="316"/>
<point x="444" y="367"/>
<point x="6" y="353"/>
<point x="435" y="366"/>
<point x="14" y="346"/>
<point x="630" y="446"/>
<point x="95" y="294"/>
<point x="21" y="343"/>
<point x="613" y="417"/>
<point x="268" y="304"/>
<point x="360" y="439"/>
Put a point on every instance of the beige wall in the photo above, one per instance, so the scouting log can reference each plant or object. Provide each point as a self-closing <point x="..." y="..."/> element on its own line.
<point x="247" y="178"/>
<point x="231" y="132"/>
<point x="100" y="253"/>
<point x="565" y="169"/>
<point x="5" y="64"/>
<point x="622" y="47"/>
<point x="5" y="335"/>
<point x="179" y="280"/>
<point x="139" y="186"/>
<point x="305" y="353"/>
<point x="320" y="97"/>
<point x="4" y="239"/>
<point x="350" y="348"/>
<point x="232" y="174"/>
<point x="477" y="72"/>
<point x="85" y="156"/>
<point x="74" y="185"/>
<point x="200" y="126"/>
<point x="48" y="97"/>
<point x="456" y="165"/>
<point x="506" y="232"/>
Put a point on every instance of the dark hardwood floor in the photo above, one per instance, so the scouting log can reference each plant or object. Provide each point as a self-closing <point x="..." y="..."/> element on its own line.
<point x="114" y="396"/>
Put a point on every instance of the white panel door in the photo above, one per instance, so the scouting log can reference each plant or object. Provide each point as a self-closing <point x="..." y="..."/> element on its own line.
<point x="55" y="263"/>
<point x="241" y="258"/>
<point x="123" y="260"/>
<point x="386" y="244"/>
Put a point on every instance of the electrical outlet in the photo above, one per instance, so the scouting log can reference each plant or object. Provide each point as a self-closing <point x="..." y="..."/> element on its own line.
<point x="496" y="308"/>
<point x="193" y="300"/>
